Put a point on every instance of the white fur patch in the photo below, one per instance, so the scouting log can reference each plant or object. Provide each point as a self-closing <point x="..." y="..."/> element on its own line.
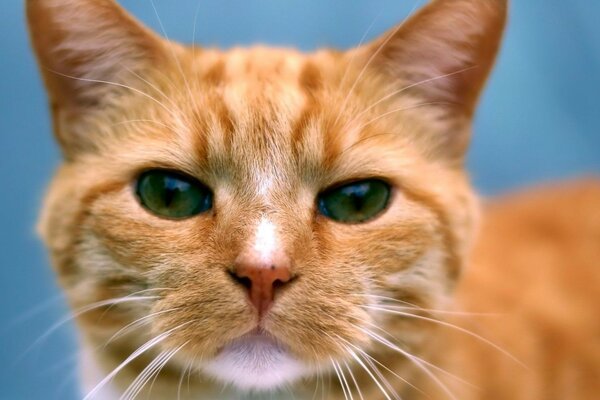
<point x="265" y="240"/>
<point x="255" y="362"/>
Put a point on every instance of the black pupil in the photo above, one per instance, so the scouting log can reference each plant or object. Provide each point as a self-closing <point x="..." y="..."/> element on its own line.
<point x="357" y="195"/>
<point x="172" y="189"/>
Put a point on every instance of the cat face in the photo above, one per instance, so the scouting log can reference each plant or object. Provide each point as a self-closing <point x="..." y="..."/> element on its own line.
<point x="256" y="207"/>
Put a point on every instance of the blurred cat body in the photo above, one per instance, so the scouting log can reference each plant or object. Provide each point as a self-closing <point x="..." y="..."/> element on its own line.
<point x="268" y="130"/>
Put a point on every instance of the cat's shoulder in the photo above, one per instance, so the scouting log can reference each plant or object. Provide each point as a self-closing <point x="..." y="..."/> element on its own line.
<point x="550" y="233"/>
<point x="536" y="266"/>
<point x="573" y="207"/>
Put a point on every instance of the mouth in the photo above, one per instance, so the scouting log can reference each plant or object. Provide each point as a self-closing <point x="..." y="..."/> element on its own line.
<point x="255" y="361"/>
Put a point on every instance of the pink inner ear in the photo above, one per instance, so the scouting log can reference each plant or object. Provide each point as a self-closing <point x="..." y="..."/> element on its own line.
<point x="446" y="50"/>
<point x="77" y="42"/>
<point x="87" y="51"/>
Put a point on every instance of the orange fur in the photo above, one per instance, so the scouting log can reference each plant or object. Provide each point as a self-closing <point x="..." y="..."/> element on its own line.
<point x="267" y="130"/>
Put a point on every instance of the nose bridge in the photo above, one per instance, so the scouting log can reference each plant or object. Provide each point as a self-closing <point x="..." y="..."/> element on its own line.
<point x="276" y="230"/>
<point x="262" y="227"/>
<point x="263" y="264"/>
<point x="266" y="240"/>
<point x="266" y="244"/>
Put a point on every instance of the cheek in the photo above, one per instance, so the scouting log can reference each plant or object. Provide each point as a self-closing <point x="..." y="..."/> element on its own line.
<point x="387" y="247"/>
<point x="145" y="243"/>
<point x="399" y="260"/>
<point x="322" y="310"/>
<point x="204" y="311"/>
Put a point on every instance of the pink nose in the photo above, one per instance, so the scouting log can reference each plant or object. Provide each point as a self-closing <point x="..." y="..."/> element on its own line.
<point x="262" y="279"/>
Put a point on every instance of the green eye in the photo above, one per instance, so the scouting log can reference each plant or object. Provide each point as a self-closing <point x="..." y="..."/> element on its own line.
<point x="172" y="195"/>
<point x="356" y="201"/>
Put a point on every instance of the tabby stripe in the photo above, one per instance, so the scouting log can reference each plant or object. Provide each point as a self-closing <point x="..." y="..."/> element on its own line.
<point x="453" y="263"/>
<point x="66" y="267"/>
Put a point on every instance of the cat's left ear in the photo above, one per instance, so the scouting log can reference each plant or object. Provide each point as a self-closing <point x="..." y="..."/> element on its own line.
<point x="78" y="42"/>
<point x="88" y="51"/>
<point x="443" y="55"/>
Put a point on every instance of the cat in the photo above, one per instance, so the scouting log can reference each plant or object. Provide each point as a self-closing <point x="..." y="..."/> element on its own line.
<point x="267" y="223"/>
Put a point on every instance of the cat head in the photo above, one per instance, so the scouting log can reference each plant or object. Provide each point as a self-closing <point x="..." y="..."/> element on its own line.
<point x="263" y="205"/>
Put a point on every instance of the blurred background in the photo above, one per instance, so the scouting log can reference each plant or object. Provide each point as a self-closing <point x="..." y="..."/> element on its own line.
<point x="539" y="121"/>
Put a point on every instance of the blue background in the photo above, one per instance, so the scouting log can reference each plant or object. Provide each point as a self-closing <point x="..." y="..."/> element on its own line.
<point x="539" y="121"/>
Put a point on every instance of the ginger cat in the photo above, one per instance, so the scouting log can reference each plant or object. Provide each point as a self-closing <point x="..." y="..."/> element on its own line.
<point x="265" y="223"/>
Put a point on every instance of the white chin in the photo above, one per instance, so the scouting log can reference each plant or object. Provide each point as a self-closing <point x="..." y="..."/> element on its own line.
<point x="255" y="362"/>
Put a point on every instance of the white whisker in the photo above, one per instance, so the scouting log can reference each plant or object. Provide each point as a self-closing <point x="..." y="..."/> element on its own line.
<point x="352" y="59"/>
<point x="452" y="326"/>
<point x="367" y="356"/>
<point x="153" y="86"/>
<point x="196" y="13"/>
<point x="382" y="378"/>
<point x="405" y="88"/>
<point x="367" y="359"/>
<point x="420" y="363"/>
<point x="142" y="349"/>
<point x="135" y="324"/>
<point x="354" y="380"/>
<point x="400" y="109"/>
<point x="152" y="370"/>
<point x="81" y="311"/>
<point x="405" y="305"/>
<point x="132" y="121"/>
<point x="439" y="312"/>
<point x="437" y="368"/>
<point x="342" y="379"/>
<point x="31" y="312"/>
<point x="139" y="382"/>
<point x="165" y="363"/>
<point x="370" y="60"/>
<point x="182" y="377"/>
<point x="177" y="62"/>
<point x="121" y="85"/>
<point x="368" y="371"/>
<point x="317" y="380"/>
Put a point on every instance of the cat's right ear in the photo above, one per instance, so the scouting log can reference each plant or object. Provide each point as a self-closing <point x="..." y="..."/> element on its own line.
<point x="442" y="55"/>
<point x="86" y="50"/>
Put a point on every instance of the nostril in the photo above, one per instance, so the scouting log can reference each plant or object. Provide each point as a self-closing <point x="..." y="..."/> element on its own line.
<point x="278" y="283"/>
<point x="244" y="281"/>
